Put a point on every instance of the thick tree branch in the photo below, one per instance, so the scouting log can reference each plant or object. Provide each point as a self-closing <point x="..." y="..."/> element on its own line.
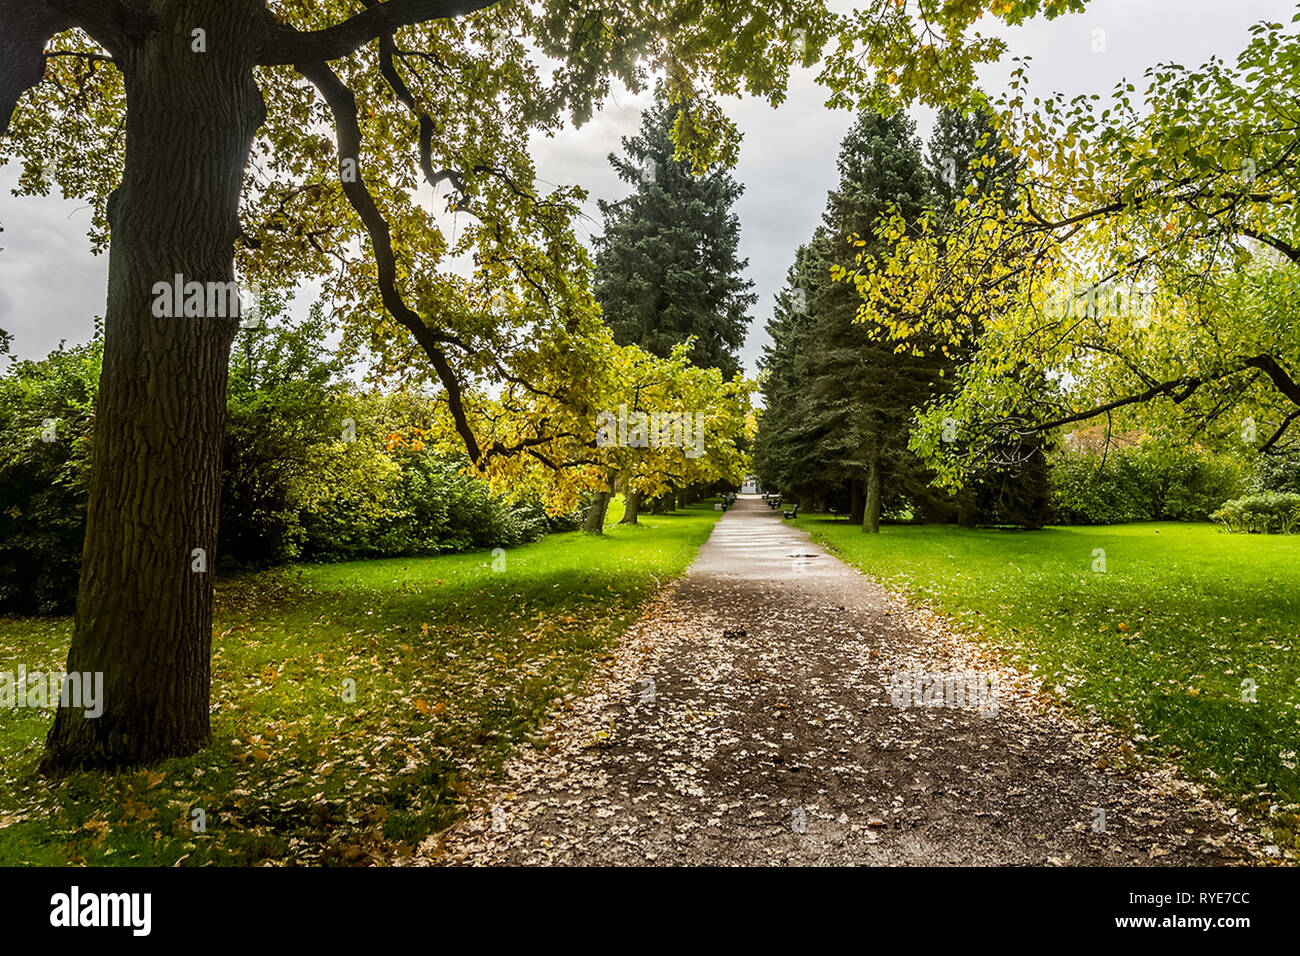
<point x="110" y="23"/>
<point x="343" y="105"/>
<point x="387" y="66"/>
<point x="25" y="27"/>
<point x="1180" y="389"/>
<point x="81" y="55"/>
<point x="285" y="45"/>
<point x="1281" y="380"/>
<point x="1288" y="250"/>
<point x="1267" y="447"/>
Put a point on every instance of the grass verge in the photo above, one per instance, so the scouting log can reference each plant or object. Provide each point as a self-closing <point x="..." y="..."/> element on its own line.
<point x="1168" y="643"/>
<point x="354" y="705"/>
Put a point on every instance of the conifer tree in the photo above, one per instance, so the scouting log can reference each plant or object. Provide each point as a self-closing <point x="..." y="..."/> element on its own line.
<point x="668" y="265"/>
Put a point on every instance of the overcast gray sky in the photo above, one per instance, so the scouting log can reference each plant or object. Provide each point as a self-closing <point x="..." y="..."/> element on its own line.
<point x="51" y="287"/>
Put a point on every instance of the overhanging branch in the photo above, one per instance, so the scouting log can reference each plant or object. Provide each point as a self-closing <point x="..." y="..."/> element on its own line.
<point x="25" y="27"/>
<point x="285" y="45"/>
<point x="1181" y="389"/>
<point x="1283" y="382"/>
<point x="343" y="105"/>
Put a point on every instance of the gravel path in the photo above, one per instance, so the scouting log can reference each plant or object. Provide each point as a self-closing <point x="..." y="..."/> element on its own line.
<point x="753" y="717"/>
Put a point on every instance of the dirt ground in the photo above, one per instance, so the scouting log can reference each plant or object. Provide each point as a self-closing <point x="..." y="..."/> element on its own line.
<point x="755" y="715"/>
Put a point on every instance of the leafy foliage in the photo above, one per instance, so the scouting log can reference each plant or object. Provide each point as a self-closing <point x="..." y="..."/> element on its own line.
<point x="1147" y="481"/>
<point x="409" y="109"/>
<point x="1278" y="473"/>
<point x="46" y="415"/>
<point x="1144" y="269"/>
<point x="1270" y="512"/>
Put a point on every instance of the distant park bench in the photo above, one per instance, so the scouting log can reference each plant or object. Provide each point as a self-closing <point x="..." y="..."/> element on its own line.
<point x="773" y="501"/>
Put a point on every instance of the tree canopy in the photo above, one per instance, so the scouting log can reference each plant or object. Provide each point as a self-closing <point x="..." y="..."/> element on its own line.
<point x="277" y="141"/>
<point x="1146" y="264"/>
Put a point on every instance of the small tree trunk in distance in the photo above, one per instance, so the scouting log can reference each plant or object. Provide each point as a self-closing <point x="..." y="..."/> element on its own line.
<point x="967" y="508"/>
<point x="632" y="508"/>
<point x="857" y="501"/>
<point x="595" y="523"/>
<point x="871" y="511"/>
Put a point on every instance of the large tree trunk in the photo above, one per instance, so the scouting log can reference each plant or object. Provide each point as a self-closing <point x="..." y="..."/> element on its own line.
<point x="632" y="507"/>
<point x="595" y="523"/>
<point x="871" y="510"/>
<point x="144" y="615"/>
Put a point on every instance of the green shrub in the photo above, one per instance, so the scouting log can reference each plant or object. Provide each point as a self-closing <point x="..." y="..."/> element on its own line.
<point x="432" y="506"/>
<point x="309" y="470"/>
<point x="1149" y="481"/>
<point x="46" y="411"/>
<point x="1269" y="512"/>
<point x="1279" y="474"/>
<point x="315" y="469"/>
<point x="299" y="439"/>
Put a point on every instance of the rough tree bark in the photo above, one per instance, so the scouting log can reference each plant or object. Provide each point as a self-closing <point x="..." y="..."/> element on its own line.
<point x="595" y="523"/>
<point x="144" y="617"/>
<point x="632" y="509"/>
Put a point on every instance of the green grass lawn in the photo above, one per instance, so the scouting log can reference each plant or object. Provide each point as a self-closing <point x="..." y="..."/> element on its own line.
<point x="453" y="665"/>
<point x="1159" y="644"/>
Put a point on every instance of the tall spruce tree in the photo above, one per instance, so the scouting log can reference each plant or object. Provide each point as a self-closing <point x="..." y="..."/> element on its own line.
<point x="838" y="411"/>
<point x="862" y="392"/>
<point x="784" y="451"/>
<point x="668" y="265"/>
<point x="839" y="401"/>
